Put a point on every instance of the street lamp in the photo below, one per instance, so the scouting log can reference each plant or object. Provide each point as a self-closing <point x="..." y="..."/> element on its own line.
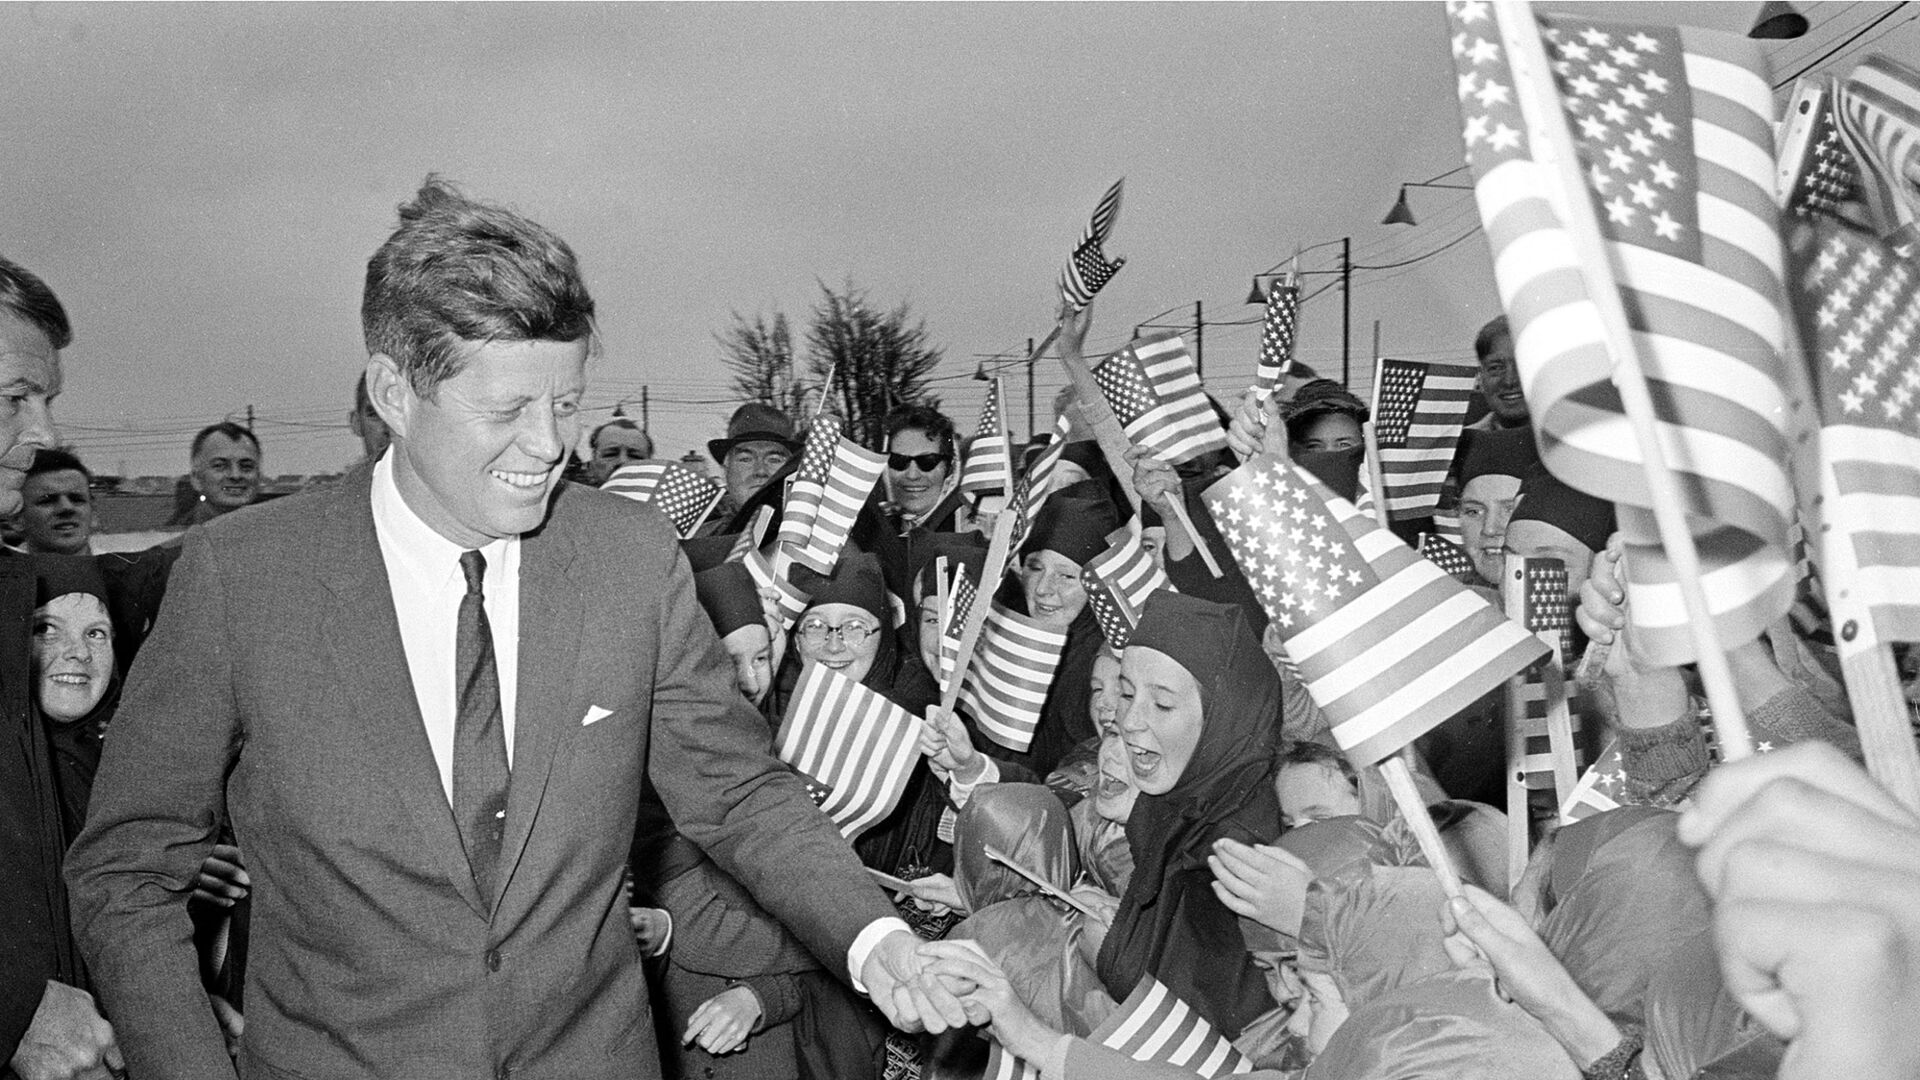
<point x="1402" y="214"/>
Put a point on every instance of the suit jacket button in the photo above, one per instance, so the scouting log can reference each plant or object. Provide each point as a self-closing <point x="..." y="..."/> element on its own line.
<point x="493" y="964"/>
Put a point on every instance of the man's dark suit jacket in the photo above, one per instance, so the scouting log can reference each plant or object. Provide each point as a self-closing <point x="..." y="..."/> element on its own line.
<point x="275" y="685"/>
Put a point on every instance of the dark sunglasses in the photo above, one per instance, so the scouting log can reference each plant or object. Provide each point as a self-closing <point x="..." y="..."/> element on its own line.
<point x="927" y="462"/>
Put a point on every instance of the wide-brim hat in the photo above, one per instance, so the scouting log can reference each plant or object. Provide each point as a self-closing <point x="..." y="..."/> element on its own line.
<point x="755" y="422"/>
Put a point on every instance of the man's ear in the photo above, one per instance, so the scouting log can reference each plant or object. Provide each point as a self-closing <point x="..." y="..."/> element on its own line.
<point x="391" y="393"/>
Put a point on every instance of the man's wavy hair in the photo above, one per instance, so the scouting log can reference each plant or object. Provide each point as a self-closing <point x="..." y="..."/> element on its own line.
<point x="459" y="272"/>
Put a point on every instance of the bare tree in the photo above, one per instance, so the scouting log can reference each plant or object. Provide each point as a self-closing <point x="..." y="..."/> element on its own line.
<point x="760" y="354"/>
<point x="877" y="359"/>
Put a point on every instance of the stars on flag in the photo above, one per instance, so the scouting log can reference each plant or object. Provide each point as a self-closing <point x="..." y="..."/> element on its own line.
<point x="1869" y="309"/>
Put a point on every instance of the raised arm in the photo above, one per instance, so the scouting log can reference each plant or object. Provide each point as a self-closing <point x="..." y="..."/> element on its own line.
<point x="155" y="812"/>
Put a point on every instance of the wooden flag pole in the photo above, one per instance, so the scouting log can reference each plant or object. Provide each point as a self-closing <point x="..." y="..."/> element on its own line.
<point x="1400" y="781"/>
<point x="1873" y="680"/>
<point x="1045" y="886"/>
<point x="1547" y="131"/>
<point x="1376" y="477"/>
<point x="1398" y="769"/>
<point x="990" y="574"/>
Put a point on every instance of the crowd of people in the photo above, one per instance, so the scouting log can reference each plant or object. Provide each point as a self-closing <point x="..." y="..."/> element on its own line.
<point x="461" y="768"/>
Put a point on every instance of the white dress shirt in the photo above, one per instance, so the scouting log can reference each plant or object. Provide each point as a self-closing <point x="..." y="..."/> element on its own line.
<point x="423" y="572"/>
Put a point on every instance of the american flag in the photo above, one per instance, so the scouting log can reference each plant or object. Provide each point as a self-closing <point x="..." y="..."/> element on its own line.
<point x="1878" y="106"/>
<point x="1006" y="684"/>
<point x="685" y="496"/>
<point x="1821" y="173"/>
<point x="1039" y="479"/>
<point x="989" y="466"/>
<point x="851" y="741"/>
<point x="1600" y="789"/>
<point x="1859" y="308"/>
<point x="953" y="627"/>
<point x="1088" y="269"/>
<point x="792" y="601"/>
<point x="1155" y="393"/>
<point x="1119" y="580"/>
<point x="1276" y="338"/>
<point x="1674" y="129"/>
<point x="1537" y="599"/>
<point x="1450" y="557"/>
<point x="833" y="482"/>
<point x="1388" y="645"/>
<point x="1152" y="1025"/>
<point x="1419" y="408"/>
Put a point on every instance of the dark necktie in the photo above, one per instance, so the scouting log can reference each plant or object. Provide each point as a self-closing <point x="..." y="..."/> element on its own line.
<point x="479" y="733"/>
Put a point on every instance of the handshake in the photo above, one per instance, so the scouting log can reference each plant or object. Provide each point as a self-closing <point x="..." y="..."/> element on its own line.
<point x="937" y="985"/>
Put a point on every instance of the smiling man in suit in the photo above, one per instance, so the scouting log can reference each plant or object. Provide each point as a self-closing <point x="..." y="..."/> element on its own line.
<point x="425" y="698"/>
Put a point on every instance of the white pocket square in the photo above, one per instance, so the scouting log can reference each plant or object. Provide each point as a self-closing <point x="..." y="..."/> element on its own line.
<point x="595" y="714"/>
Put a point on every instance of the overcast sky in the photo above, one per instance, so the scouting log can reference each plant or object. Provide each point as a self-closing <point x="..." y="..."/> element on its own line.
<point x="203" y="184"/>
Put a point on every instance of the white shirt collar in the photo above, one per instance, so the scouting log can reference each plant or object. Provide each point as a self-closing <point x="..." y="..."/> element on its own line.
<point x="423" y="554"/>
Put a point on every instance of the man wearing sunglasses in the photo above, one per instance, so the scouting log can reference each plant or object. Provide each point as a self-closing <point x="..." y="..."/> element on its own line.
<point x="919" y="497"/>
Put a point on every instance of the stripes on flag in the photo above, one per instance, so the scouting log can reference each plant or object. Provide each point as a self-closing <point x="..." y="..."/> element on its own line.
<point x="960" y="599"/>
<point x="1119" y="580"/>
<point x="1859" y="309"/>
<point x="1088" y="269"/>
<point x="1878" y="110"/>
<point x="1006" y="684"/>
<point x="1276" y="338"/>
<point x="792" y="602"/>
<point x="1674" y="127"/>
<point x="1038" y="483"/>
<point x="1544" y="609"/>
<point x="1388" y="645"/>
<point x="832" y="484"/>
<point x="1155" y="392"/>
<point x="1449" y="557"/>
<point x="989" y="466"/>
<point x="1419" y="408"/>
<point x="1152" y="1025"/>
<point x="851" y="741"/>
<point x="684" y="495"/>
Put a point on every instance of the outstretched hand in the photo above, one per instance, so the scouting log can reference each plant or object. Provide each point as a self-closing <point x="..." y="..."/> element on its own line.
<point x="989" y="997"/>
<point x="944" y="741"/>
<point x="1261" y="882"/>
<point x="1813" y="869"/>
<point x="912" y="998"/>
<point x="1482" y="931"/>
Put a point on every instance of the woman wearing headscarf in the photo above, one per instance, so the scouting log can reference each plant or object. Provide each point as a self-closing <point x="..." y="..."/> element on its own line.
<point x="1316" y="782"/>
<point x="1047" y="586"/>
<point x="1199" y="715"/>
<point x="75" y="678"/>
<point x="847" y="627"/>
<point x="1030" y="935"/>
<point x="1385" y="1001"/>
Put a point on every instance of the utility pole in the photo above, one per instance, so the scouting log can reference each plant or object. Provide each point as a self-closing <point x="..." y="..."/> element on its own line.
<point x="1346" y="311"/>
<point x="249" y="419"/>
<point x="1030" y="359"/>
<point x="1199" y="343"/>
<point x="645" y="407"/>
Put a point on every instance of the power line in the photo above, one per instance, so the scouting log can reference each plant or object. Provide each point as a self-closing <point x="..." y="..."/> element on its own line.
<point x="1824" y="57"/>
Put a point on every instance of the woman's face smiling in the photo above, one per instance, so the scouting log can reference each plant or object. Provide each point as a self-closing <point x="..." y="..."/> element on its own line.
<point x="833" y="651"/>
<point x="1055" y="593"/>
<point x="1160" y="718"/>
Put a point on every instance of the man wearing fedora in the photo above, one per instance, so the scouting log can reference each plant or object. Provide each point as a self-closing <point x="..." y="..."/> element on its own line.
<point x="760" y="442"/>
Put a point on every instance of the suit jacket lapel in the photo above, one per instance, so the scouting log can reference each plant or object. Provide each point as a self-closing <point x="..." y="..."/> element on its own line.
<point x="362" y="633"/>
<point x="552" y="611"/>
